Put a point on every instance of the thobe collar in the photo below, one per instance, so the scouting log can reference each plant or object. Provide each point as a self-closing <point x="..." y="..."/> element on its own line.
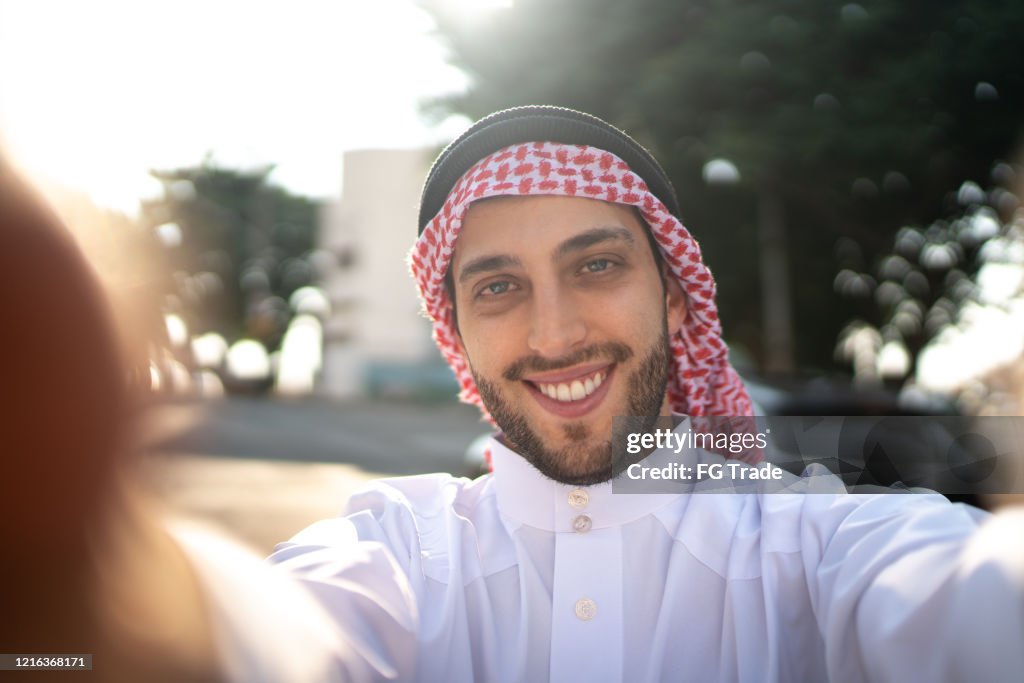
<point x="525" y="496"/>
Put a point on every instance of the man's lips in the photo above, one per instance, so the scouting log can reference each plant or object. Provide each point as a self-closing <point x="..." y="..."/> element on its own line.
<point x="573" y="392"/>
<point x="568" y="374"/>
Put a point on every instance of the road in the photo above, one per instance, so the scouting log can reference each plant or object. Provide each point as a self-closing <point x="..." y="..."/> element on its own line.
<point x="260" y="470"/>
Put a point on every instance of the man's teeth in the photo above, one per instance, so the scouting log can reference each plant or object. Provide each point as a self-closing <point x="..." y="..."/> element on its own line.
<point x="572" y="391"/>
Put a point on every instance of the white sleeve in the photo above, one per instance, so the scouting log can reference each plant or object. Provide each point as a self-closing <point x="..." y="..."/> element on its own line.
<point x="908" y="587"/>
<point x="389" y="518"/>
<point x="985" y="629"/>
<point x="268" y="628"/>
<point x="365" y="592"/>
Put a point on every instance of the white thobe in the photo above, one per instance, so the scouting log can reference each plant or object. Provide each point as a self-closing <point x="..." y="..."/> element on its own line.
<point x="519" y="578"/>
<point x="268" y="628"/>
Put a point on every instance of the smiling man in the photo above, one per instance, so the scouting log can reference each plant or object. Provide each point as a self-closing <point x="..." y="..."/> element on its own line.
<point x="565" y="291"/>
<point x="563" y="313"/>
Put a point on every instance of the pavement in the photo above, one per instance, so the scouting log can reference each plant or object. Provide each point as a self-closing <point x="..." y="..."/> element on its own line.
<point x="260" y="470"/>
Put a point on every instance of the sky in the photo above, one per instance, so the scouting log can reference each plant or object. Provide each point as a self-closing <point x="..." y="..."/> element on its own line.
<point x="94" y="94"/>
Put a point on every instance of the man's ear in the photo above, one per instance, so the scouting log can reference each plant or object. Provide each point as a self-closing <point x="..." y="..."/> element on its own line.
<point x="458" y="340"/>
<point x="675" y="300"/>
<point x="458" y="332"/>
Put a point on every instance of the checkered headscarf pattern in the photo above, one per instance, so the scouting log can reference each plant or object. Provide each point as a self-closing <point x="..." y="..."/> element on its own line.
<point x="701" y="381"/>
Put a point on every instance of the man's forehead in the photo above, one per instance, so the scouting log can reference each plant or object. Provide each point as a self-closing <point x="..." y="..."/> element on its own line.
<point x="511" y="219"/>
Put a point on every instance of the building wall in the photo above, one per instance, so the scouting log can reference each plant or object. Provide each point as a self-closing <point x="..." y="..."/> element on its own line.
<point x="376" y="323"/>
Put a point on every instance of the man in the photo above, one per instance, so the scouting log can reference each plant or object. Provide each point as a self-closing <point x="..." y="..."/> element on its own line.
<point x="564" y="291"/>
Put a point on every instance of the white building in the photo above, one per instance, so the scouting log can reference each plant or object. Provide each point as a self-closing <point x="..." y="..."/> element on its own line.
<point x="376" y="339"/>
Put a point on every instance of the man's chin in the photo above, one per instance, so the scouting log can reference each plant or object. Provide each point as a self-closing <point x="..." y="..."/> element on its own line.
<point x="577" y="463"/>
<point x="574" y="451"/>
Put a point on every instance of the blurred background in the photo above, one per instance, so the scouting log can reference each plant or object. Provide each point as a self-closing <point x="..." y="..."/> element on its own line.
<point x="245" y="178"/>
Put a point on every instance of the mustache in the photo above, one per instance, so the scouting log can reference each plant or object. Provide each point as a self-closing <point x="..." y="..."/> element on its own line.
<point x="613" y="351"/>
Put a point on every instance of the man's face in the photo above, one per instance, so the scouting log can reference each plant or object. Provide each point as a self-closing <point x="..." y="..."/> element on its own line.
<point x="564" y="319"/>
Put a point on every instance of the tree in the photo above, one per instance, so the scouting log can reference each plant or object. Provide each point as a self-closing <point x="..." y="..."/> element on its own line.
<point x="845" y="120"/>
<point x="941" y="293"/>
<point x="239" y="246"/>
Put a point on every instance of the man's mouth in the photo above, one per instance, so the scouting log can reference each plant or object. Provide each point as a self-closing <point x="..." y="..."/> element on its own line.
<point x="573" y="392"/>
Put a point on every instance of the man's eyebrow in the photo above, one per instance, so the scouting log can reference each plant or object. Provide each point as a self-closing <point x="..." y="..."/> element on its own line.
<point x="592" y="237"/>
<point x="487" y="263"/>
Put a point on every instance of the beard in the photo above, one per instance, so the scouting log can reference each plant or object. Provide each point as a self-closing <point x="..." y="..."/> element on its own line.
<point x="587" y="459"/>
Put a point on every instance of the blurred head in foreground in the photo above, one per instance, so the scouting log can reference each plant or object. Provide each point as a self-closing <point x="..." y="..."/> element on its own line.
<point x="89" y="568"/>
<point x="65" y="388"/>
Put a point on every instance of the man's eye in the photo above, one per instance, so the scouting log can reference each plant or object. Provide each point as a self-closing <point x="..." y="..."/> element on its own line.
<point x="495" y="288"/>
<point x="597" y="265"/>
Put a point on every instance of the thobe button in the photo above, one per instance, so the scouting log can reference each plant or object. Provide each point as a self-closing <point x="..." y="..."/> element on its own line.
<point x="586" y="609"/>
<point x="578" y="498"/>
<point x="581" y="524"/>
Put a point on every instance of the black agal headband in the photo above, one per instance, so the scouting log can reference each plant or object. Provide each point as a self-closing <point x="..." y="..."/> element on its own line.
<point x="538" y="123"/>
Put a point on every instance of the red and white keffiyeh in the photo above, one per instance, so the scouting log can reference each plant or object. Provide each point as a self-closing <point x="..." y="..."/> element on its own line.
<point x="702" y="382"/>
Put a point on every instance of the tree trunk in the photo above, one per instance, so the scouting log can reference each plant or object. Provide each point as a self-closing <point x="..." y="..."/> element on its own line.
<point x="776" y="308"/>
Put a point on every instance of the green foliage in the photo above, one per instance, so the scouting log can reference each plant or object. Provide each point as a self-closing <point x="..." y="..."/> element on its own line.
<point x="930" y="276"/>
<point x="860" y="117"/>
<point x="244" y="248"/>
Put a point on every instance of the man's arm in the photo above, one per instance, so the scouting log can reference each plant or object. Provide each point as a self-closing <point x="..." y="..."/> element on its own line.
<point x="910" y="587"/>
<point x="363" y="589"/>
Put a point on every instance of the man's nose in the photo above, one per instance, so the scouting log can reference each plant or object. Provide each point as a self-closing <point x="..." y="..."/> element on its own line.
<point x="557" y="324"/>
